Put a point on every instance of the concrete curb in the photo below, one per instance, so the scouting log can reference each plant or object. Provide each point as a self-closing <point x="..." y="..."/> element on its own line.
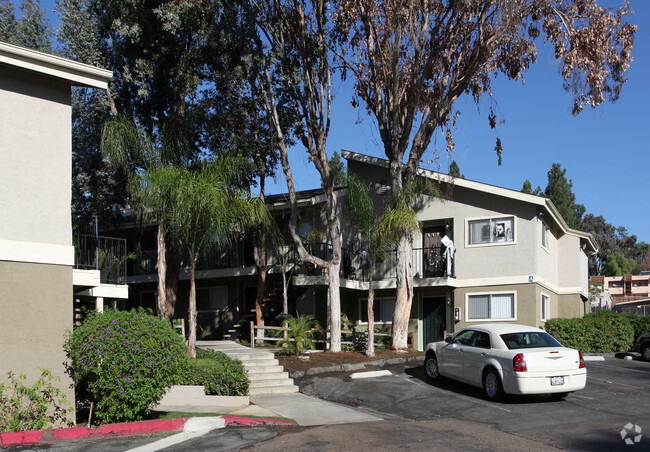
<point x="127" y="428"/>
<point x="354" y="367"/>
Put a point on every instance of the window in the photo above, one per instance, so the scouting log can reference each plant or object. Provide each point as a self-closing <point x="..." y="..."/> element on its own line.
<point x="382" y="310"/>
<point x="545" y="233"/>
<point x="515" y="341"/>
<point x="491" y="306"/>
<point x="491" y="230"/>
<point x="212" y="298"/>
<point x="546" y="307"/>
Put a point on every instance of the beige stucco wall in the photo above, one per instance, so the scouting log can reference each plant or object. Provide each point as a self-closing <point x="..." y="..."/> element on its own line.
<point x="570" y="306"/>
<point x="526" y="303"/>
<point x="572" y="264"/>
<point x="36" y="311"/>
<point x="36" y="170"/>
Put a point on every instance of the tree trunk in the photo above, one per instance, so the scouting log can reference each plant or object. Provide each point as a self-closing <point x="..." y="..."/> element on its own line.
<point x="285" y="298"/>
<point x="404" y="296"/>
<point x="370" y="347"/>
<point x="191" y="342"/>
<point x="259" y="300"/>
<point x="259" y="255"/>
<point x="161" y="266"/>
<point x="173" y="269"/>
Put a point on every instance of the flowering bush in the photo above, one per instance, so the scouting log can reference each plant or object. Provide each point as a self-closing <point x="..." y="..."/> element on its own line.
<point x="123" y="362"/>
<point x="599" y="332"/>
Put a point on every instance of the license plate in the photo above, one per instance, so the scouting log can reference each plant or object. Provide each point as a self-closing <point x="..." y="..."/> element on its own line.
<point x="557" y="381"/>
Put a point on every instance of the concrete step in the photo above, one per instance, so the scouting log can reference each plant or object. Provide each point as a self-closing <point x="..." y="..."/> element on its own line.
<point x="264" y="369"/>
<point x="274" y="383"/>
<point x="255" y="377"/>
<point x="265" y="363"/>
<point x="264" y="372"/>
<point x="273" y="390"/>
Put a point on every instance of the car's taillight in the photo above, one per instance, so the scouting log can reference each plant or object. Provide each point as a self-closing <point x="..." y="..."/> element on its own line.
<point x="582" y="361"/>
<point x="519" y="363"/>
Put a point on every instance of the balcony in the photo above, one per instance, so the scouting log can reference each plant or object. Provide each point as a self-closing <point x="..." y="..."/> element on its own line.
<point x="104" y="254"/>
<point x="427" y="263"/>
<point x="239" y="255"/>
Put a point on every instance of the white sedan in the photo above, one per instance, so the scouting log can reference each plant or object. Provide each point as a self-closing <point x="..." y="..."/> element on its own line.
<point x="507" y="358"/>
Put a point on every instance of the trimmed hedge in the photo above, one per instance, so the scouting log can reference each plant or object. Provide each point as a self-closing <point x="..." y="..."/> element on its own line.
<point x="641" y="324"/>
<point x="219" y="374"/>
<point x="599" y="332"/>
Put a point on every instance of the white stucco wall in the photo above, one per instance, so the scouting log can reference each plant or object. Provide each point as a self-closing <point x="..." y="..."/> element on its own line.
<point x="35" y="128"/>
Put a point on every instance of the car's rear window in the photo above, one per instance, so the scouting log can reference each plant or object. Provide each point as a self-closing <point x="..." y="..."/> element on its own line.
<point x="529" y="340"/>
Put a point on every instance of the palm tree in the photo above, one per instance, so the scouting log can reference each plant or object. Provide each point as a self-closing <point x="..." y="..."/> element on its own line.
<point x="380" y="232"/>
<point x="300" y="333"/>
<point x="204" y="208"/>
<point x="129" y="148"/>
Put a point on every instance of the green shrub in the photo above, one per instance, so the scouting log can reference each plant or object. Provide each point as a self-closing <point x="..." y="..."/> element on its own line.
<point x="599" y="332"/>
<point x="218" y="373"/>
<point x="123" y="362"/>
<point x="640" y="324"/>
<point x="35" y="407"/>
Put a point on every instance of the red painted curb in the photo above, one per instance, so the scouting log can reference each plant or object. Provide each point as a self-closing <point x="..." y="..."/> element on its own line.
<point x="254" y="421"/>
<point x="127" y="428"/>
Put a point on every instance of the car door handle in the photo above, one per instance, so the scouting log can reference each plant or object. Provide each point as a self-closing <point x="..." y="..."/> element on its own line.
<point x="483" y="354"/>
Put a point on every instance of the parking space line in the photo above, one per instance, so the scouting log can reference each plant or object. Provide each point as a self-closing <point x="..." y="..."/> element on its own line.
<point x="470" y="399"/>
<point x="619" y="368"/>
<point x="612" y="382"/>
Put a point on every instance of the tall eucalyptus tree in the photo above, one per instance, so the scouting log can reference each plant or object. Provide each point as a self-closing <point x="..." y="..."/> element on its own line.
<point x="411" y="61"/>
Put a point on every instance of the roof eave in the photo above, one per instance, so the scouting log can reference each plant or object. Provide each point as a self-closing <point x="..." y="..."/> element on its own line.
<point x="77" y="74"/>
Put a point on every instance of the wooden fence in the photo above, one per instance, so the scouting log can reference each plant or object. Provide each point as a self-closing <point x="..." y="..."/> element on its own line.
<point x="359" y="336"/>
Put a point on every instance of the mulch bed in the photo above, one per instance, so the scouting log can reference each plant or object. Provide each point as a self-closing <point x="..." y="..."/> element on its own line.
<point x="326" y="359"/>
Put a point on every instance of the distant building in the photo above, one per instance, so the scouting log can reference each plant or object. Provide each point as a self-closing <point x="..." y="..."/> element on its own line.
<point x="627" y="291"/>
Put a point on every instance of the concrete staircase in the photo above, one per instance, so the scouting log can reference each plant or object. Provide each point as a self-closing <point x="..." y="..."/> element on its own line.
<point x="264" y="371"/>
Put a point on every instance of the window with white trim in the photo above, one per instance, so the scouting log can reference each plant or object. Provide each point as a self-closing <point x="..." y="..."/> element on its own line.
<point x="382" y="309"/>
<point x="491" y="230"/>
<point x="491" y="306"/>
<point x="545" y="235"/>
<point x="212" y="298"/>
<point x="546" y="307"/>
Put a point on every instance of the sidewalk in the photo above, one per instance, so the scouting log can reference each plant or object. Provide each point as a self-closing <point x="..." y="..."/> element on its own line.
<point x="303" y="409"/>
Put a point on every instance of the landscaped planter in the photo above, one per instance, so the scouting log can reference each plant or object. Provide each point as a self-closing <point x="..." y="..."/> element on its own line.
<point x="179" y="396"/>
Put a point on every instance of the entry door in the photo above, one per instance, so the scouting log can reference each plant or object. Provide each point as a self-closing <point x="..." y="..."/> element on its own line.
<point x="433" y="250"/>
<point x="433" y="318"/>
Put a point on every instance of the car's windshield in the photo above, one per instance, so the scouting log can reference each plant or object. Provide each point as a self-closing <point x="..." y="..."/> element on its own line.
<point x="530" y="339"/>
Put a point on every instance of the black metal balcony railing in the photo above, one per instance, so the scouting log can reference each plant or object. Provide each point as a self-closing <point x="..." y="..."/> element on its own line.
<point x="427" y="262"/>
<point x="106" y="254"/>
<point x="235" y="256"/>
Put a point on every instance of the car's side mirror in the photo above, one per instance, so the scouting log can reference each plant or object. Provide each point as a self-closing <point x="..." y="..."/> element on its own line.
<point x="448" y="339"/>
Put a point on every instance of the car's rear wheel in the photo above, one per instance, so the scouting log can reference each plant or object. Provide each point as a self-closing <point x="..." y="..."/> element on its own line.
<point x="492" y="385"/>
<point x="431" y="367"/>
<point x="646" y="352"/>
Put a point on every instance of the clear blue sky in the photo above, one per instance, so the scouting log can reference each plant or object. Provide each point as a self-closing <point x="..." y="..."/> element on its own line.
<point x="605" y="151"/>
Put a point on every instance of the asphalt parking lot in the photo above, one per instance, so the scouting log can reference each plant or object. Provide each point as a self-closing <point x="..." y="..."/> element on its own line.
<point x="617" y="395"/>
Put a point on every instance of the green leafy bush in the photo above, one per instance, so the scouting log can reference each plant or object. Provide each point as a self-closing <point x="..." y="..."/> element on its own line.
<point x="599" y="332"/>
<point x="33" y="407"/>
<point x="123" y="362"/>
<point x="640" y="324"/>
<point x="218" y="373"/>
